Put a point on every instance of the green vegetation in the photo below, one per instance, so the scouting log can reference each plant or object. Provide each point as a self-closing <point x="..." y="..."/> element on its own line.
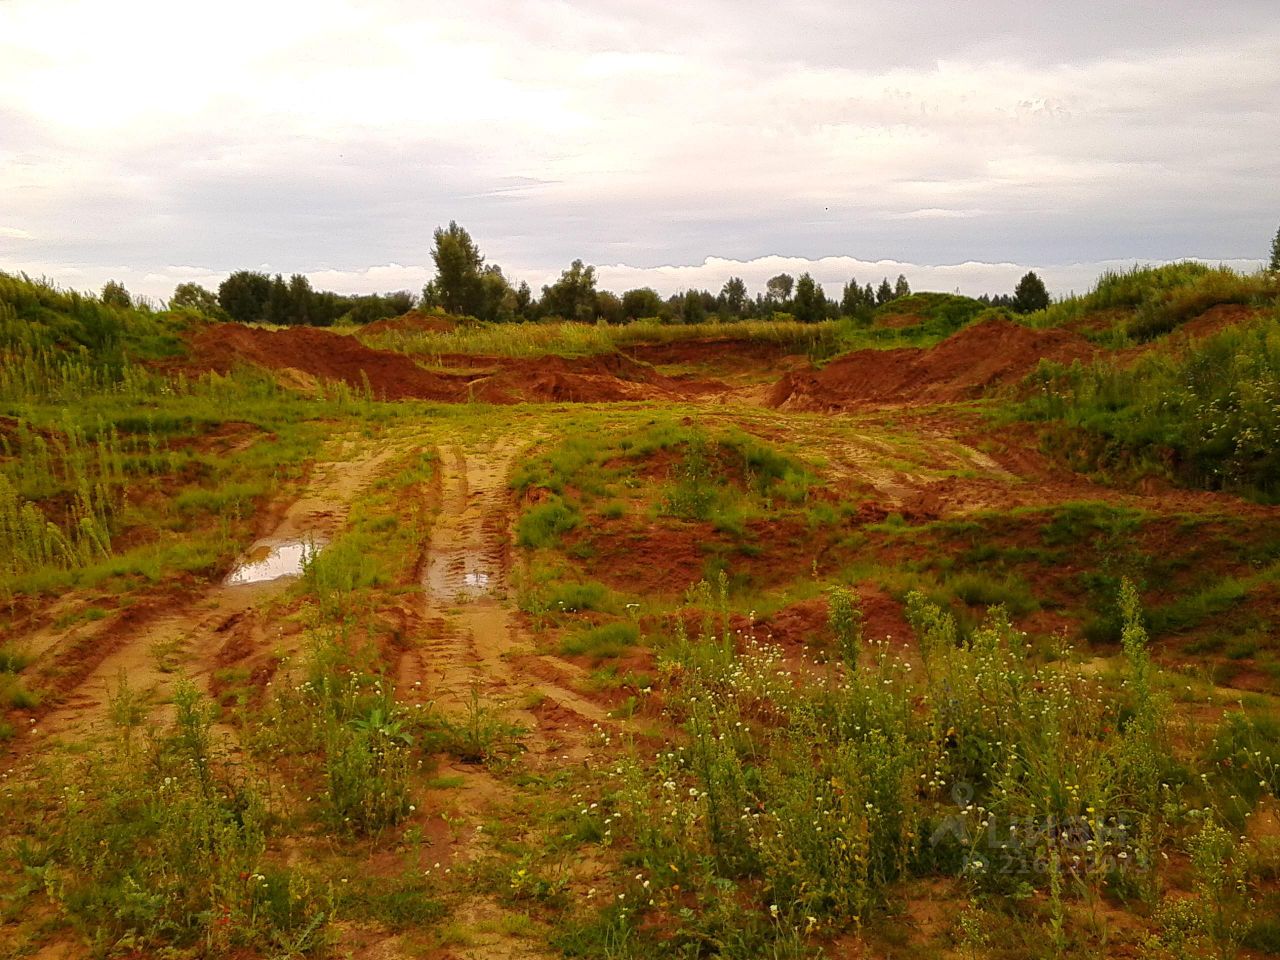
<point x="1147" y="302"/>
<point x="805" y="805"/>
<point x="748" y="682"/>
<point x="1206" y="416"/>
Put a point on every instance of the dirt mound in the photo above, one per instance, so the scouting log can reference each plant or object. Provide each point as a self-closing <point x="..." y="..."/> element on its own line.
<point x="322" y="355"/>
<point x="959" y="368"/>
<point x="415" y="321"/>
<point x="303" y="357"/>
<point x="726" y="352"/>
<point x="603" y="378"/>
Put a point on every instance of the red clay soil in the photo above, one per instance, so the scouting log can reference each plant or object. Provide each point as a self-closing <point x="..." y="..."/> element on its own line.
<point x="959" y="368"/>
<point x="714" y="351"/>
<point x="415" y="321"/>
<point x="324" y="355"/>
<point x="602" y="378"/>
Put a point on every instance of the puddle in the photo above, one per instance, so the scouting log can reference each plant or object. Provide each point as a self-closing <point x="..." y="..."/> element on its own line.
<point x="272" y="560"/>
<point x="459" y="575"/>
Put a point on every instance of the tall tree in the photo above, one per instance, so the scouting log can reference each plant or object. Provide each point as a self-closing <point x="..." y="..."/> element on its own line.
<point x="497" y="300"/>
<point x="901" y="288"/>
<point x="243" y="295"/>
<point x="810" y="303"/>
<point x="300" y="297"/>
<point x="609" y="307"/>
<point x="192" y="296"/>
<point x="1275" y="251"/>
<point x="641" y="302"/>
<point x="733" y="297"/>
<point x="692" y="308"/>
<point x="458" y="286"/>
<point x="778" y="289"/>
<point x="1030" y="294"/>
<point x="884" y="293"/>
<point x="115" y="295"/>
<point x="853" y="300"/>
<point x="524" y="301"/>
<point x="573" y="296"/>
<point x="279" y="306"/>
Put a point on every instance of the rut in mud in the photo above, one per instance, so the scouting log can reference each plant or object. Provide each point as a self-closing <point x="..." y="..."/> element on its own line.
<point x="472" y="644"/>
<point x="192" y="635"/>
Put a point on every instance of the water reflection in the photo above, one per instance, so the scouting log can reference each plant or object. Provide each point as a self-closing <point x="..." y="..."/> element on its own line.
<point x="271" y="560"/>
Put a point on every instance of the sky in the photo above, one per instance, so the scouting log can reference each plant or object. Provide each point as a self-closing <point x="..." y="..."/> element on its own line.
<point x="671" y="144"/>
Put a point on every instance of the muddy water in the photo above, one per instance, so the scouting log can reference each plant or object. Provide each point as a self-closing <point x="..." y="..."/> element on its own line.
<point x="465" y="587"/>
<point x="271" y="560"/>
<point x="464" y="562"/>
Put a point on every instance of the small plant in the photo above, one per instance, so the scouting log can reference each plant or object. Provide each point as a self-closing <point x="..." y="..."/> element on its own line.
<point x="845" y="618"/>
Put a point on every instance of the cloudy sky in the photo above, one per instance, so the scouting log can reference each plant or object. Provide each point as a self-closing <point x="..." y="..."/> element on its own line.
<point x="669" y="143"/>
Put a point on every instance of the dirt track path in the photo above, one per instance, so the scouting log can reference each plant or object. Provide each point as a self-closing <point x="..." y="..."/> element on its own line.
<point x="195" y="635"/>
<point x="474" y="641"/>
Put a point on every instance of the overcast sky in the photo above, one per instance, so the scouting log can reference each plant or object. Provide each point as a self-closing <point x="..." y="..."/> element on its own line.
<point x="669" y="143"/>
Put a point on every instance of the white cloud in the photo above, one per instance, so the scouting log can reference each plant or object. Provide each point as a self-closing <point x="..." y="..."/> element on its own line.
<point x="146" y="131"/>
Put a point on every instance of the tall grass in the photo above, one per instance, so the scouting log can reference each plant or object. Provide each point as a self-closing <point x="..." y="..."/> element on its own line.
<point x="524" y="340"/>
<point x="1209" y="416"/>
<point x="1152" y="301"/>
<point x="803" y="796"/>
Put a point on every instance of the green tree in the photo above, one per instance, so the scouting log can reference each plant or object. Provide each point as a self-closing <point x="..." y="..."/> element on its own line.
<point x="1275" y="251"/>
<point x="810" y="303"/>
<point x="641" y="302"/>
<point x="458" y="285"/>
<point x="279" y="309"/>
<point x="609" y="307"/>
<point x="733" y="297"/>
<point x="901" y="288"/>
<point x="115" y="295"/>
<point x="300" y="300"/>
<point x="573" y="296"/>
<point x="497" y="300"/>
<point x="525" y="307"/>
<point x="1030" y="294"/>
<point x="778" y="289"/>
<point x="854" y="301"/>
<point x="692" y="308"/>
<point x="192" y="296"/>
<point x="884" y="293"/>
<point x="243" y="295"/>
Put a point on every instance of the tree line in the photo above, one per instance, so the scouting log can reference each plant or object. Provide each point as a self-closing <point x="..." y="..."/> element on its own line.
<point x="465" y="285"/>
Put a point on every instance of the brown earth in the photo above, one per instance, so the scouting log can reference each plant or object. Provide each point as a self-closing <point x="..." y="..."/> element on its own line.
<point x="959" y="368"/>
<point x="602" y="378"/>
<point x="320" y="354"/>
<point x="415" y="321"/>
<point x="302" y="357"/>
<point x="718" y="353"/>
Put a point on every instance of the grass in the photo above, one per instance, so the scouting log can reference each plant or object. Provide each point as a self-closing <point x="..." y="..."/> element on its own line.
<point x="736" y="798"/>
<point x="527" y="340"/>
<point x="1204" y="417"/>
<point x="603" y="642"/>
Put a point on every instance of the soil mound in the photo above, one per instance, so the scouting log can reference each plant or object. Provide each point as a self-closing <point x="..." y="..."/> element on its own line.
<point x="723" y="352"/>
<point x="603" y="378"/>
<point x="322" y="355"/>
<point x="415" y="321"/>
<point x="303" y="357"/>
<point x="959" y="368"/>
